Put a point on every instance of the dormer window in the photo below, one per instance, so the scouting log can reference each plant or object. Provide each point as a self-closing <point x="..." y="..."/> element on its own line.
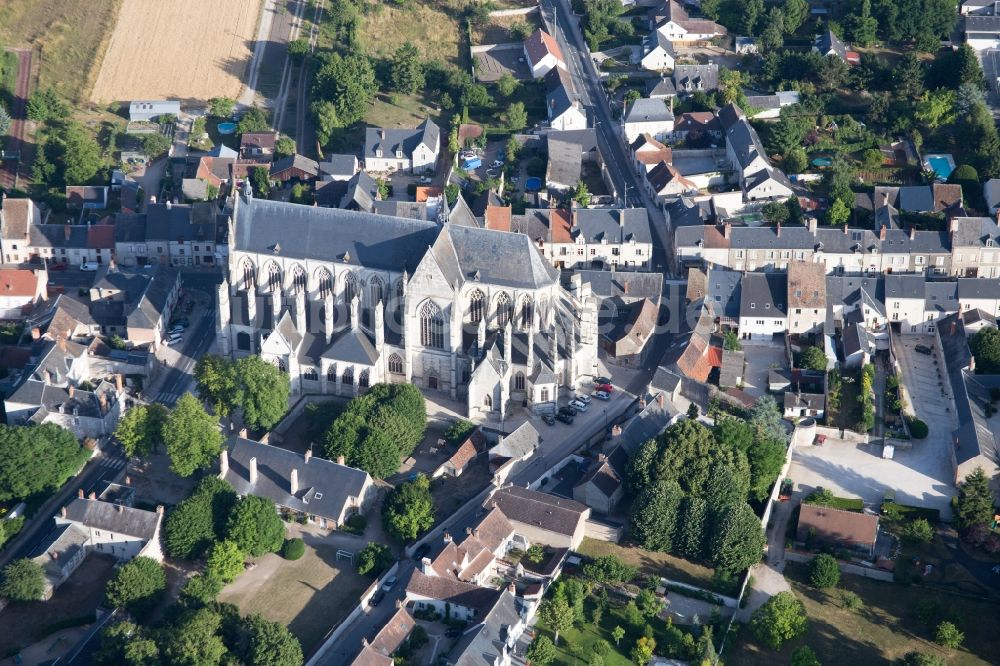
<point x="989" y="242"/>
<point x="399" y="154"/>
<point x="378" y="152"/>
<point x="753" y="306"/>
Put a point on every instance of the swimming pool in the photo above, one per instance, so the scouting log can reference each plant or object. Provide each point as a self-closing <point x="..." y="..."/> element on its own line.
<point x="942" y="165"/>
<point x="227" y="128"/>
<point x="822" y="162"/>
<point x="532" y="184"/>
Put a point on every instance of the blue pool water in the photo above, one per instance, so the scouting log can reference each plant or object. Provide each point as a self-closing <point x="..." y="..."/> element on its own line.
<point x="532" y="184"/>
<point x="227" y="128"/>
<point x="941" y="165"/>
<point x="822" y="162"/>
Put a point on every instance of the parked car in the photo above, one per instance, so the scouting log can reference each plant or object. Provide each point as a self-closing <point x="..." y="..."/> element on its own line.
<point x="564" y="418"/>
<point x="602" y="395"/>
<point x="548" y="419"/>
<point x="585" y="399"/>
<point x="89" y="266"/>
<point x="423" y="550"/>
<point x="578" y="405"/>
<point x="58" y="266"/>
<point x="566" y="409"/>
<point x="497" y="164"/>
<point x="389" y="583"/>
<point x="923" y="349"/>
<point x="376" y="598"/>
<point x="601" y="380"/>
<point x="607" y="388"/>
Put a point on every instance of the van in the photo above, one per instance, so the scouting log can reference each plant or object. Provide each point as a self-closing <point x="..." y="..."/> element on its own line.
<point x="88" y="266"/>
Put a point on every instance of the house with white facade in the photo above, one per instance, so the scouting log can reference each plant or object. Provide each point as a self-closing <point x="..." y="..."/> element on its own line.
<point x="562" y="102"/>
<point x="409" y="149"/>
<point x="657" y="52"/>
<point x="648" y="116"/>
<point x="542" y="53"/>
<point x="763" y="305"/>
<point x="21" y="290"/>
<point x="677" y="26"/>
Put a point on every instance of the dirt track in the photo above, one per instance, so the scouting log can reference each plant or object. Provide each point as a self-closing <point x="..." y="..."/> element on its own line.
<point x="178" y="49"/>
<point x="15" y="138"/>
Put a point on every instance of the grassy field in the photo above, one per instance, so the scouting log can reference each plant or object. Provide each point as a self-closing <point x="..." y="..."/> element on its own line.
<point x="886" y="628"/>
<point x="497" y="31"/>
<point x="652" y="564"/>
<point x="385" y="30"/>
<point x="70" y="37"/>
<point x="309" y="595"/>
<point x="407" y="111"/>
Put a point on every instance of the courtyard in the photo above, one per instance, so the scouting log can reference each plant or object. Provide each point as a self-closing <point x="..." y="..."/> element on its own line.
<point x="760" y="358"/>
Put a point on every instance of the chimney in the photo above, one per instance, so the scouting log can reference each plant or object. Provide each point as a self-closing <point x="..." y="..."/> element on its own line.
<point x="127" y="481"/>
<point x="67" y="231"/>
<point x="468" y="531"/>
<point x="293" y="481"/>
<point x="159" y="509"/>
<point x="120" y="508"/>
<point x="36" y="333"/>
<point x="845" y="229"/>
<point x="777" y="229"/>
<point x="601" y="457"/>
<point x="812" y="222"/>
<point x="103" y="400"/>
<point x="253" y="470"/>
<point x="92" y="495"/>
<point x="511" y="588"/>
<point x="425" y="567"/>
<point x="80" y="493"/>
<point x="308" y="455"/>
<point x="119" y="383"/>
<point x="340" y="460"/>
<point x="446" y="536"/>
<point x="170" y="204"/>
<point x="659" y="399"/>
<point x="954" y="327"/>
<point x="972" y="363"/>
<point x="46" y="376"/>
<point x="54" y="555"/>
<point x="881" y="233"/>
<point x="616" y="430"/>
<point x="399" y="603"/>
<point x="62" y="512"/>
<point x="625" y="286"/>
<point x="913" y="233"/>
<point x="224" y="463"/>
<point x="727" y="230"/>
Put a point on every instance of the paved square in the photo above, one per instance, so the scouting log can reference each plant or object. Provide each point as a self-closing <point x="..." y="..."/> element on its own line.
<point x="760" y="357"/>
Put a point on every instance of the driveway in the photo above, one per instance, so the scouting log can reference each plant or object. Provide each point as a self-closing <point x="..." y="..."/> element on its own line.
<point x="921" y="476"/>
<point x="926" y="388"/>
<point x="760" y="357"/>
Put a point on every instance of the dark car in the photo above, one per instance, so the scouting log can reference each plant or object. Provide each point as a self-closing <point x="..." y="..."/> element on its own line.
<point x="548" y="419"/>
<point x="601" y="380"/>
<point x="923" y="349"/>
<point x="423" y="550"/>
<point x="453" y="632"/>
<point x="376" y="598"/>
<point x="58" y="266"/>
<point x="566" y="409"/>
<point x="564" y="418"/>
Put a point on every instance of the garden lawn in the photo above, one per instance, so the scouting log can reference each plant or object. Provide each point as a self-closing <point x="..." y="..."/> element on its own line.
<point x="885" y="629"/>
<point x="653" y="564"/>
<point x="389" y="26"/>
<point x="394" y="110"/>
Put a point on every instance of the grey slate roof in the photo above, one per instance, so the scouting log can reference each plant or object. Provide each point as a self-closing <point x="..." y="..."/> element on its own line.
<point x="496" y="257"/>
<point x="518" y="444"/>
<point x="565" y="162"/>
<point x="112" y="517"/>
<point x="531" y="507"/>
<point x="696" y="77"/>
<point x="942" y="297"/>
<point x="560" y="92"/>
<point x="829" y="42"/>
<point x="485" y="643"/>
<point x="766" y="292"/>
<point x="723" y="290"/>
<point x="607" y="284"/>
<point x="971" y="288"/>
<point x="296" y="161"/>
<point x="174" y="222"/>
<point x="661" y="88"/>
<point x="899" y="285"/>
<point x="361" y="192"/>
<point x="324" y="486"/>
<point x="406" y="140"/>
<point x="982" y="27"/>
<point x="684" y="211"/>
<point x="353" y="346"/>
<point x="616" y="225"/>
<point x="974" y="232"/>
<point x="645" y="110"/>
<point x="916" y="198"/>
<point x="339" y="165"/>
<point x="851" y="290"/>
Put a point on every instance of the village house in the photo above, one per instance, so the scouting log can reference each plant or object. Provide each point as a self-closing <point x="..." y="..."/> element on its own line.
<point x="562" y="102"/>
<point x="542" y="53"/>
<point x="647" y="116"/>
<point x="823" y="525"/>
<point x="20" y="291"/>
<point x="541" y="518"/>
<point x="415" y="150"/>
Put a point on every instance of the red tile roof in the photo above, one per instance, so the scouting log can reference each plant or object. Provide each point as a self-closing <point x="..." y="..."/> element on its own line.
<point x="838" y="525"/>
<point x="101" y="237"/>
<point x="560" y="226"/>
<point x="424" y="193"/>
<point x="498" y="217"/>
<point x="540" y="44"/>
<point x="18" y="282"/>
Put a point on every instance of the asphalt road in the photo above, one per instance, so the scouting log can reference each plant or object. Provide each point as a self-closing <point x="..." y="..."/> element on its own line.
<point x="179" y="377"/>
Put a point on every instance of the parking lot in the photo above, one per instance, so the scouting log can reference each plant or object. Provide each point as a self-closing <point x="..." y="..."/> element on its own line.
<point x="925" y="386"/>
<point x="760" y="358"/>
<point x="920" y="476"/>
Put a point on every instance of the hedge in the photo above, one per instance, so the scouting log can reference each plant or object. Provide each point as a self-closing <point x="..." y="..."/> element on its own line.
<point x="908" y="513"/>
<point x="293" y="549"/>
<point x="918" y="429"/>
<point x="704" y="595"/>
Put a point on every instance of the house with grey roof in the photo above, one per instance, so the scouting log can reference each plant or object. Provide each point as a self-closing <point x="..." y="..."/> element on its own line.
<point x="763" y="305"/>
<point x="541" y="518"/>
<point x="44" y="395"/>
<point x="648" y="116"/>
<point x="391" y="149"/>
<point x="510" y="452"/>
<point x="562" y="101"/>
<point x="982" y="32"/>
<point x="342" y="300"/>
<point x="338" y="167"/>
<point x="657" y="52"/>
<point x="135" y="305"/>
<point x="758" y="178"/>
<point x="619" y="238"/>
<point x="662" y="88"/>
<point x="767" y="107"/>
<point x="689" y="79"/>
<point x="602" y="486"/>
<point x="491" y="639"/>
<point x="324" y="492"/>
<point x="90" y="525"/>
<point x="629" y="311"/>
<point x="171" y="234"/>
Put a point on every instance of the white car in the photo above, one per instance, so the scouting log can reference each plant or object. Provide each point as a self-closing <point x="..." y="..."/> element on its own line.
<point x="578" y="405"/>
<point x="585" y="399"/>
<point x="602" y="395"/>
<point x="389" y="583"/>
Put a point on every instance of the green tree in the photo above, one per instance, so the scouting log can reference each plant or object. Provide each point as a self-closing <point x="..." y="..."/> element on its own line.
<point x="773" y="35"/>
<point x="253" y="119"/>
<point x="192" y="437"/>
<point x="610" y="570"/>
<point x="141" y="428"/>
<point x="541" y="651"/>
<point x="80" y="154"/>
<point x="936" y="108"/>
<point x="966" y="176"/>
<point x="918" y="531"/>
<point x="155" y="144"/>
<point x="44" y="105"/>
<point x="919" y="659"/>
<point x="459" y="431"/>
<point x="284" y="146"/>
<point x="557" y="614"/>
<point x="738" y="542"/>
<point x="581" y="194"/>
<point x="137" y="586"/>
<point x="649" y="604"/>
<point x="193" y="639"/>
<point x="293" y="549"/>
<point x="975" y="502"/>
<point x="838" y="214"/>
<point x="795" y="160"/>
<point x="794" y="13"/>
<point x="271" y="644"/>
<point x="225" y="562"/>
<point x="535" y="554"/>
<point x="804" y="656"/>
<point x="642" y="466"/>
<point x="200" y="590"/>
<point x="378" y="454"/>
<point x="690" y="538"/>
<point x="298" y="49"/>
<point x="199" y="520"/>
<point x="406" y="69"/>
<point x="348" y="83"/>
<point x="216" y="382"/>
<point x="692" y="411"/>
<point x="863" y="27"/>
<point x="782" y="618"/>
<point x="643" y="650"/>
<point x="813" y="358"/>
<point x="516" y="117"/>
<point x="765" y="419"/>
<point x="22" y="580"/>
<point x="507" y="85"/>
<point x="618" y="633"/>
<point x="408" y="510"/>
<point x="654" y="515"/>
<point x="824" y="571"/>
<point x="373" y="559"/>
<point x="985" y="347"/>
<point x="261" y="391"/>
<point x="42" y="170"/>
<point x="221" y="107"/>
<point x="850" y="601"/>
<point x="260" y="178"/>
<point x="126" y="643"/>
<point x="728" y="484"/>
<point x="775" y="212"/>
<point x="947" y="635"/>
<point x="731" y="341"/>
<point x="50" y="452"/>
<point x="255" y="526"/>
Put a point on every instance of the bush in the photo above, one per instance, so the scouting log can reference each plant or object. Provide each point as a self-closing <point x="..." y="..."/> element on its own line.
<point x="293" y="549"/>
<point x="373" y="559"/>
<point x="824" y="571"/>
<point x="948" y="635"/>
<point x="609" y="569"/>
<point x="356" y="524"/>
<point x="782" y="618"/>
<point x="918" y="429"/>
<point x="23" y="580"/>
<point x="137" y="586"/>
<point x="851" y="601"/>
